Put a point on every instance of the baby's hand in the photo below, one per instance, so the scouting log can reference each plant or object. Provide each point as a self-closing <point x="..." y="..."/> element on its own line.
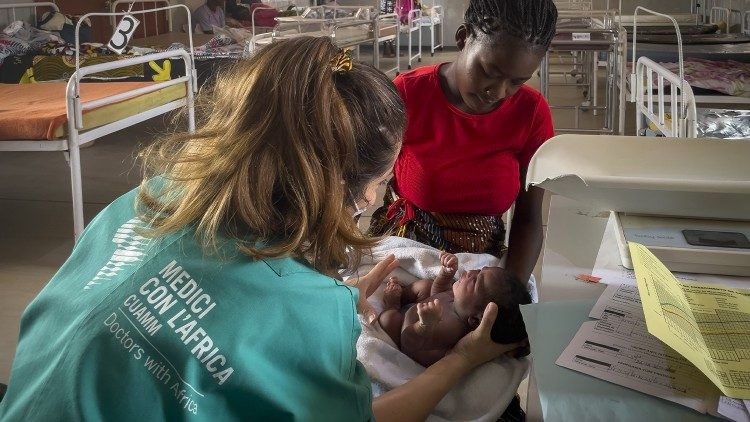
<point x="430" y="312"/>
<point x="449" y="263"/>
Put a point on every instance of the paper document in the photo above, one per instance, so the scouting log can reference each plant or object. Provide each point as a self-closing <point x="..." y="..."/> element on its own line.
<point x="707" y="324"/>
<point x="618" y="348"/>
<point x="637" y="361"/>
<point x="732" y="409"/>
<point x="621" y="301"/>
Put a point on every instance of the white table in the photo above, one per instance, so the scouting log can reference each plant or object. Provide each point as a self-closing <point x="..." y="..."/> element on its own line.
<point x="572" y="242"/>
<point x="575" y="235"/>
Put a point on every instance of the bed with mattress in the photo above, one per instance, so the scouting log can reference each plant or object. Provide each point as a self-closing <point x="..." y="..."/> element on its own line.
<point x="666" y="102"/>
<point x="667" y="93"/>
<point x="362" y="26"/>
<point x="66" y="115"/>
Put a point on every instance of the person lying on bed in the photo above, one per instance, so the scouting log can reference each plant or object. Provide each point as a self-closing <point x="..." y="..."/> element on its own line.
<point x="446" y="311"/>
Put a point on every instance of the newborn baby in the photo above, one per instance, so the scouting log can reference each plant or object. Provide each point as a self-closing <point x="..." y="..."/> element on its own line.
<point x="446" y="311"/>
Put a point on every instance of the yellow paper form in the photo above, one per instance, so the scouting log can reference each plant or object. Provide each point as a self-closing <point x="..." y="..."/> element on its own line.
<point x="708" y="325"/>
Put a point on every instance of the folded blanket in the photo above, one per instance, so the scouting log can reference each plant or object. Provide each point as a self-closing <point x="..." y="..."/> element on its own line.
<point x="725" y="76"/>
<point x="481" y="396"/>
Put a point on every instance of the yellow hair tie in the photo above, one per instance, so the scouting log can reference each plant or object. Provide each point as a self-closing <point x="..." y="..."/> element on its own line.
<point x="342" y="62"/>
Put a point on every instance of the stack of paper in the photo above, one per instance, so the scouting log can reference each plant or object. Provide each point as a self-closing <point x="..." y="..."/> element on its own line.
<point x="619" y="348"/>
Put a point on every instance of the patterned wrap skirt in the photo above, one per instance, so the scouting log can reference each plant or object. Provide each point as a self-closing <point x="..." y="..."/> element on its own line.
<point x="454" y="233"/>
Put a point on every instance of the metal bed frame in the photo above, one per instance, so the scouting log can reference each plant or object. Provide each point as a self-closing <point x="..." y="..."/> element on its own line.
<point x="585" y="35"/>
<point x="436" y="15"/>
<point x="723" y="10"/>
<point x="683" y="119"/>
<point x="10" y="9"/>
<point x="413" y="24"/>
<point x="699" y="99"/>
<point x="115" y="4"/>
<point x="364" y="15"/>
<point x="272" y="5"/>
<point x="390" y="20"/>
<point x="77" y="135"/>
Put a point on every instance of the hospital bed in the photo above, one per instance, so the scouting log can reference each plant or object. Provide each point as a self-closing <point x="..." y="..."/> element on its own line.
<point x="65" y="116"/>
<point x="433" y="17"/>
<point x="362" y="25"/>
<point x="413" y="24"/>
<point x="271" y="9"/>
<point x="666" y="101"/>
<point x="649" y="27"/>
<point x="584" y="37"/>
<point x="728" y="11"/>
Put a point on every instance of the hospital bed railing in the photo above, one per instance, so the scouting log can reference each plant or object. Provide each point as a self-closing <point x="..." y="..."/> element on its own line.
<point x="376" y="28"/>
<point x="436" y="23"/>
<point x="681" y="99"/>
<point x="674" y="116"/>
<point x="129" y="4"/>
<point x="9" y="10"/>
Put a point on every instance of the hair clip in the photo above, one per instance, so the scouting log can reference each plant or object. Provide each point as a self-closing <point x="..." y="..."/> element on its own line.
<point x="342" y="62"/>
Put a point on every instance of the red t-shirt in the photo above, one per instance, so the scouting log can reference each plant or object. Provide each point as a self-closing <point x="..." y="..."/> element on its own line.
<point x="456" y="162"/>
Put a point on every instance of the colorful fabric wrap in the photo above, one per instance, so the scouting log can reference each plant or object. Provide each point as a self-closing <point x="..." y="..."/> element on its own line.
<point x="454" y="233"/>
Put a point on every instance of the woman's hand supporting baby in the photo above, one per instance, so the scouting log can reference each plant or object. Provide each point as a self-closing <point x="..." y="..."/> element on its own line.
<point x="416" y="399"/>
<point x="477" y="347"/>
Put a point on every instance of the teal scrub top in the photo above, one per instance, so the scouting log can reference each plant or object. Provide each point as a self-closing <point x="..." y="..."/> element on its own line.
<point x="159" y="329"/>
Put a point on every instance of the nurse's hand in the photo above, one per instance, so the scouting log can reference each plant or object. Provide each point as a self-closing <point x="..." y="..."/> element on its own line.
<point x="477" y="347"/>
<point x="367" y="284"/>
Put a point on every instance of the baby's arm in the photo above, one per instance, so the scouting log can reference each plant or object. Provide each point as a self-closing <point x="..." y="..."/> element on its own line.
<point x="444" y="280"/>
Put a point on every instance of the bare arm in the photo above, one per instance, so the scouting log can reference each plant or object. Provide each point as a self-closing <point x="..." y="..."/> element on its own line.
<point x="415" y="400"/>
<point x="525" y="232"/>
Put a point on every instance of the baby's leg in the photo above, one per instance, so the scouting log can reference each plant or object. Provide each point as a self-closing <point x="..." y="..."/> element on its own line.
<point x="391" y="319"/>
<point x="416" y="292"/>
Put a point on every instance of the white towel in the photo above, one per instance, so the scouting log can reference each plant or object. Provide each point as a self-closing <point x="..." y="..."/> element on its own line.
<point x="481" y="396"/>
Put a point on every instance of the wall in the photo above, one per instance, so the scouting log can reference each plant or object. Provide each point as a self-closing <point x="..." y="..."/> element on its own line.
<point x="6" y="16"/>
<point x="454" y="16"/>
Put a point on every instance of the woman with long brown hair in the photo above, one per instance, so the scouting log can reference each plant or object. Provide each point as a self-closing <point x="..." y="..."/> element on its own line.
<point x="211" y="292"/>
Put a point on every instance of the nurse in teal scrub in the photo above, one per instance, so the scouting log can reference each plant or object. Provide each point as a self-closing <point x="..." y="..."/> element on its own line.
<point x="211" y="291"/>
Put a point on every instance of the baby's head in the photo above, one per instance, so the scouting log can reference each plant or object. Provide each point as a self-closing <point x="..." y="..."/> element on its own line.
<point x="476" y="288"/>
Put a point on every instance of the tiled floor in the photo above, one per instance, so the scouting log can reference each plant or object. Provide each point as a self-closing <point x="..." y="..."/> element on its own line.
<point x="36" y="234"/>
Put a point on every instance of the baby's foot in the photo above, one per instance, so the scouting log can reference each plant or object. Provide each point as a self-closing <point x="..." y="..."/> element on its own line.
<point x="430" y="312"/>
<point x="392" y="295"/>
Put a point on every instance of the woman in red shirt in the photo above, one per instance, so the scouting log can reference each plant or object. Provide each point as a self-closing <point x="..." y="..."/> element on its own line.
<point x="472" y="128"/>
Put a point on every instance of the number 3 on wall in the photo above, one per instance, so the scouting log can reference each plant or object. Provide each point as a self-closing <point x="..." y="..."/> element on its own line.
<point x="122" y="34"/>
